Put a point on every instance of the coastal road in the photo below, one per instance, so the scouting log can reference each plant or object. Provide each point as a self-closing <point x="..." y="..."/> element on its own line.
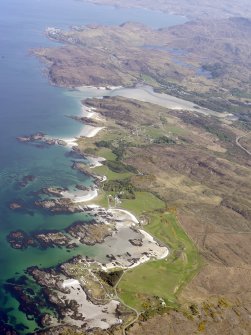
<point x="131" y="308"/>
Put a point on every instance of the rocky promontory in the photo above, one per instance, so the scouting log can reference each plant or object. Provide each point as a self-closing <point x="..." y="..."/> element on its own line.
<point x="90" y="233"/>
<point x="78" y="232"/>
<point x="51" y="239"/>
<point x="48" y="278"/>
<point x="41" y="138"/>
<point x="61" y="205"/>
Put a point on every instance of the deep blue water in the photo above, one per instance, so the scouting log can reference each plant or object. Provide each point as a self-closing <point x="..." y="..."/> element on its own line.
<point x="29" y="104"/>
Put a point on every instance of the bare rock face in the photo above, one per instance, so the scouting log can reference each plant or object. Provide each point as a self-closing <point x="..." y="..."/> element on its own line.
<point x="58" y="206"/>
<point x="136" y="242"/>
<point x="46" y="320"/>
<point x="60" y="330"/>
<point x="15" y="205"/>
<point x="47" y="278"/>
<point x="41" y="138"/>
<point x="31" y="138"/>
<point x="53" y="191"/>
<point x="50" y="239"/>
<point x="90" y="233"/>
<point x="20" y="240"/>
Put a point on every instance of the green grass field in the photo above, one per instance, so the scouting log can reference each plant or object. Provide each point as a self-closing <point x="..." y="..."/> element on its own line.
<point x="106" y="153"/>
<point x="144" y="202"/>
<point x="163" y="278"/>
<point x="105" y="171"/>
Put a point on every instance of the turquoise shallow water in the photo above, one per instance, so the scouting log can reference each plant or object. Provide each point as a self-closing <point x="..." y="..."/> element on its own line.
<point x="30" y="104"/>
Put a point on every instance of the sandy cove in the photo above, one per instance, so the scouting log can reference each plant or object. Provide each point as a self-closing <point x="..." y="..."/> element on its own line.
<point x="129" y="245"/>
<point x="126" y="247"/>
<point x="87" y="131"/>
<point x="80" y="196"/>
<point x="124" y="219"/>
<point x="141" y="93"/>
<point x="89" y="112"/>
<point x="146" y="93"/>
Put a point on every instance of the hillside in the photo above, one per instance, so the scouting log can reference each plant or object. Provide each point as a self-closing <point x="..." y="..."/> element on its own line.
<point x="197" y="165"/>
<point x="189" y="8"/>
<point x="207" y="62"/>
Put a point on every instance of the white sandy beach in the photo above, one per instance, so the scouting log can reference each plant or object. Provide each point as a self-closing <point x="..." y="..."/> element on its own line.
<point x="145" y="93"/>
<point x="147" y="235"/>
<point x="97" y="91"/>
<point x="80" y="196"/>
<point x="125" y="214"/>
<point x="125" y="265"/>
<point x="89" y="112"/>
<point x="94" y="316"/>
<point x="90" y="131"/>
<point x="130" y="247"/>
<point x="87" y="131"/>
<point x="128" y="255"/>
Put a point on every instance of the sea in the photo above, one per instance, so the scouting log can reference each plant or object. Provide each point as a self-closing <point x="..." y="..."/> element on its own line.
<point x="28" y="104"/>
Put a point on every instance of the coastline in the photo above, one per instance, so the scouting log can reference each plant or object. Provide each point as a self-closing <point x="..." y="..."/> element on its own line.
<point x="166" y="275"/>
<point x="122" y="216"/>
<point x="126" y="246"/>
<point x="146" y="93"/>
<point x="83" y="196"/>
<point x="87" y="131"/>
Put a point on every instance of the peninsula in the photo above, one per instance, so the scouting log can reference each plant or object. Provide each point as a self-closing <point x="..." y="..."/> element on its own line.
<point x="165" y="141"/>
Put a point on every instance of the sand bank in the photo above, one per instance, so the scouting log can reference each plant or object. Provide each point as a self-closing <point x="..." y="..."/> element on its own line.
<point x="127" y="215"/>
<point x="80" y="196"/>
<point x="90" y="131"/>
<point x="87" y="131"/>
<point x="92" y="315"/>
<point x="145" y="93"/>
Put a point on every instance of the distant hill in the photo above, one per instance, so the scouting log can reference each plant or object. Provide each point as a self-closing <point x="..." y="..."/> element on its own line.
<point x="189" y="8"/>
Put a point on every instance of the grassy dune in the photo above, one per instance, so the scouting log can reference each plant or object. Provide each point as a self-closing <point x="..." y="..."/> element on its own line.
<point x="163" y="278"/>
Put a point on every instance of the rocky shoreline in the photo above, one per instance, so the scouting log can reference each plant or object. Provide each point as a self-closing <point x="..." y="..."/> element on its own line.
<point x="83" y="283"/>
<point x="80" y="232"/>
<point x="41" y="139"/>
<point x="80" y="291"/>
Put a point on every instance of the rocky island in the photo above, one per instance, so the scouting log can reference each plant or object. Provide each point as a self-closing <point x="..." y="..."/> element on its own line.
<point x="40" y="138"/>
